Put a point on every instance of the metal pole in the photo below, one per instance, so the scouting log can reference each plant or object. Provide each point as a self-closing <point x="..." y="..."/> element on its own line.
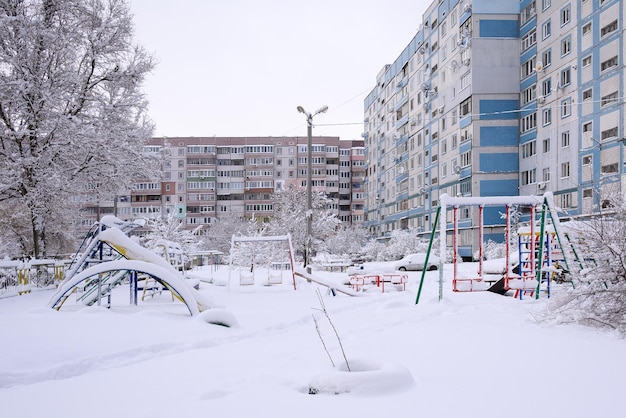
<point x="309" y="197"/>
<point x="309" y="181"/>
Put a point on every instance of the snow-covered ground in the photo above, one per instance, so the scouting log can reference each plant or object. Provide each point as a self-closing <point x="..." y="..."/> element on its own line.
<point x="468" y="355"/>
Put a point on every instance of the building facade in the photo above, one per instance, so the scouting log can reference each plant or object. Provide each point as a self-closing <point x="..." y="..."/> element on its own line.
<point x="204" y="179"/>
<point x="497" y="98"/>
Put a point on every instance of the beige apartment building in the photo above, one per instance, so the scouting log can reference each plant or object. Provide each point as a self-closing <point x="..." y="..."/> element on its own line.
<point x="207" y="178"/>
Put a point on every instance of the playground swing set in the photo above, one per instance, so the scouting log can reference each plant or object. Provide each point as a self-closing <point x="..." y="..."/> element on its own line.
<point x="262" y="259"/>
<point x="549" y="244"/>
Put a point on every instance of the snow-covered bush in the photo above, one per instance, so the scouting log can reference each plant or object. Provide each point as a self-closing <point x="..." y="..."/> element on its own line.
<point x="400" y="243"/>
<point x="597" y="296"/>
<point x="347" y="242"/>
<point x="492" y="250"/>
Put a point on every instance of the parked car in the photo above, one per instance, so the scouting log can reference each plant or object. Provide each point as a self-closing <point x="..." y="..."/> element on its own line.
<point x="416" y="262"/>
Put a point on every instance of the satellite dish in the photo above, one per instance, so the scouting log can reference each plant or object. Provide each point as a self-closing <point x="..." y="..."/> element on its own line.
<point x="454" y="64"/>
<point x="539" y="66"/>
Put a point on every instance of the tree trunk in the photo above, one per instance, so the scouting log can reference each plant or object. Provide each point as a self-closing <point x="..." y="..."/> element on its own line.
<point x="39" y="236"/>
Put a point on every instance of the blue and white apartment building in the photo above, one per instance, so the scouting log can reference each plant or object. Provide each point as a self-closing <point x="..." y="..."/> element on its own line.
<point x="497" y="98"/>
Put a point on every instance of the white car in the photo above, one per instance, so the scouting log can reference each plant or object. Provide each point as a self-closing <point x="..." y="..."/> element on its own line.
<point x="416" y="262"/>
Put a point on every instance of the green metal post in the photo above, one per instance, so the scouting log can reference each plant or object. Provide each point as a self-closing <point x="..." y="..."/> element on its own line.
<point x="430" y="246"/>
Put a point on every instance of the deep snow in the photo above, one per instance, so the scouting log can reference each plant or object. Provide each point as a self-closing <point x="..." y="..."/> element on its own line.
<point x="470" y="354"/>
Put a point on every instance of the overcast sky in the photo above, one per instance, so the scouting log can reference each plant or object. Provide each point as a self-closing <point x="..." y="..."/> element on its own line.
<point x="241" y="67"/>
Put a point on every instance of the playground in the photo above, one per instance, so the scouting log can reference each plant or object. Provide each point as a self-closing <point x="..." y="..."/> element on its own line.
<point x="153" y="359"/>
<point x="133" y="335"/>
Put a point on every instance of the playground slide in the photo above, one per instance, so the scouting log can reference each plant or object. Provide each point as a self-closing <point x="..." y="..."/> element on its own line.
<point x="302" y="273"/>
<point x="498" y="287"/>
<point x="178" y="287"/>
<point x="132" y="251"/>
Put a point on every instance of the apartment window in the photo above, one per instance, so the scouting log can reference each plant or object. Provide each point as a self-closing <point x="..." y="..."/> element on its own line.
<point x="465" y="107"/>
<point x="566" y="108"/>
<point x="528" y="67"/>
<point x="529" y="122"/>
<point x="587" y="160"/>
<point x="565" y="139"/>
<point x="566" y="77"/>
<point x="546" y="174"/>
<point x="587" y="193"/>
<point x="610" y="28"/>
<point x="529" y="177"/>
<point x="529" y="94"/>
<point x="527" y="13"/>
<point x="566" y="14"/>
<point x="546" y="87"/>
<point x="546" y="145"/>
<point x="609" y="133"/>
<point x="529" y="39"/>
<point x="609" y="168"/>
<point x="609" y="98"/>
<point x="587" y="94"/>
<point x="546" y="29"/>
<point x="565" y="170"/>
<point x="546" y="58"/>
<point x="610" y="63"/>
<point x="587" y="61"/>
<point x="529" y="149"/>
<point x="587" y="127"/>
<point x="466" y="159"/>
<point x="546" y="116"/>
<point x="566" y="200"/>
<point x="466" y="79"/>
<point x="566" y="46"/>
<point x="545" y="4"/>
<point x="587" y="29"/>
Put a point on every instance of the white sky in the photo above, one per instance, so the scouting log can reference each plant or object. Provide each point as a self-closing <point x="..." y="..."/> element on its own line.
<point x="241" y="67"/>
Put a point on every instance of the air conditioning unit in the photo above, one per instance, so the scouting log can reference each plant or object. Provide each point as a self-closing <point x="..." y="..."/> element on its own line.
<point x="466" y="61"/>
<point x="467" y="7"/>
<point x="541" y="185"/>
<point x="541" y="99"/>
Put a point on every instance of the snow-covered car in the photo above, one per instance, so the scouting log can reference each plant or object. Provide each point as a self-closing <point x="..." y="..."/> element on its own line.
<point x="416" y="262"/>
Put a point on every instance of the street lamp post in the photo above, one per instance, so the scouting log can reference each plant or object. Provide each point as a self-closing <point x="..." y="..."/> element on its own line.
<point x="309" y="179"/>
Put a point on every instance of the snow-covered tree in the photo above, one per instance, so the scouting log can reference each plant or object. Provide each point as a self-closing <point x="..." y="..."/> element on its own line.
<point x="219" y="234"/>
<point x="348" y="241"/>
<point x="597" y="296"/>
<point x="172" y="229"/>
<point x="290" y="207"/>
<point x="72" y="116"/>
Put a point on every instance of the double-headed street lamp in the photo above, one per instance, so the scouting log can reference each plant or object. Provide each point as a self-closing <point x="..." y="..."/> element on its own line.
<point x="309" y="179"/>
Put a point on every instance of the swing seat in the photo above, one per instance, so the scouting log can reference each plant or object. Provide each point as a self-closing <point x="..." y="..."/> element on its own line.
<point x="246" y="278"/>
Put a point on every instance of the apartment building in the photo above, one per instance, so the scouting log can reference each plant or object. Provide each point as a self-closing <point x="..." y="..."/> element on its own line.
<point x="443" y="118"/>
<point x="572" y="101"/>
<point x="207" y="178"/>
<point x="497" y="98"/>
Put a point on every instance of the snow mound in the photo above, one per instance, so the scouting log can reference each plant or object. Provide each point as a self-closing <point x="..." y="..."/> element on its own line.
<point x="366" y="377"/>
<point x="219" y="317"/>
